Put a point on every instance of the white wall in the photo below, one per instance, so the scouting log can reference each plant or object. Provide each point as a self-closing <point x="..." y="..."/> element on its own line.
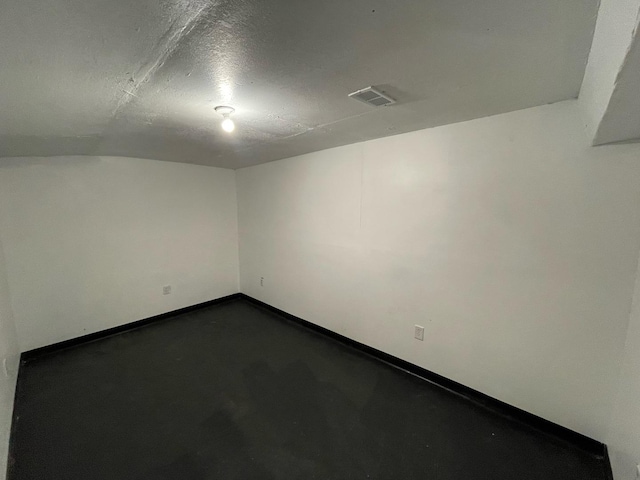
<point x="509" y="238"/>
<point x="90" y="241"/>
<point x="624" y="435"/>
<point x="9" y="358"/>
<point x="612" y="38"/>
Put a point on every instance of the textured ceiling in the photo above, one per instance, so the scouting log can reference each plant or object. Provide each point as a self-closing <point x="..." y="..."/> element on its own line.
<point x="141" y="78"/>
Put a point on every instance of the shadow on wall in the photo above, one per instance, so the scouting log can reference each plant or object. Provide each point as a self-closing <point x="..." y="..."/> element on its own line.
<point x="9" y="358"/>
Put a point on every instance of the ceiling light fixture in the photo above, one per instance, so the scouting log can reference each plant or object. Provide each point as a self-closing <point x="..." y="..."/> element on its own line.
<point x="227" y="123"/>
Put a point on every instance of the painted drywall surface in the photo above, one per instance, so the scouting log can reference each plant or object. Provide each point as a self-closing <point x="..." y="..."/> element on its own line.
<point x="611" y="41"/>
<point x="91" y="241"/>
<point x="9" y="358"/>
<point x="509" y="239"/>
<point x="623" y="438"/>
<point x="621" y="121"/>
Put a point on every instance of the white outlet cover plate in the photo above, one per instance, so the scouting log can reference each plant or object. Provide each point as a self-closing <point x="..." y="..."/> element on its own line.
<point x="419" y="332"/>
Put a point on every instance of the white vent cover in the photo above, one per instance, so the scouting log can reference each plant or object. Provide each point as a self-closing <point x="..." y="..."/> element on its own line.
<point x="373" y="97"/>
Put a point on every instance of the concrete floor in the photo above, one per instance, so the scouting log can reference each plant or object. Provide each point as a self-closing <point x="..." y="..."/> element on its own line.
<point x="233" y="391"/>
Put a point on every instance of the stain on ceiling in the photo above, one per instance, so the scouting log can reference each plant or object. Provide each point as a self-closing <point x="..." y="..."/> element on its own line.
<point x="142" y="79"/>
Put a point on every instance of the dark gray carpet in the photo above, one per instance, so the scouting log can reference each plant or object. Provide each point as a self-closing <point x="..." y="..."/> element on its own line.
<point x="235" y="392"/>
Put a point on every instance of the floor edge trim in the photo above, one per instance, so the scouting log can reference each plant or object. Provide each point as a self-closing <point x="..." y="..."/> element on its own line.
<point x="565" y="434"/>
<point x="92" y="337"/>
<point x="546" y="426"/>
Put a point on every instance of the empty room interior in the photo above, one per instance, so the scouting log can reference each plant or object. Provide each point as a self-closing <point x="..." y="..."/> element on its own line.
<point x="338" y="240"/>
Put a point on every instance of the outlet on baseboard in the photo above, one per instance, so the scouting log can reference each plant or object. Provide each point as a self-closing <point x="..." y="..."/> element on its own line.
<point x="262" y="281"/>
<point x="166" y="290"/>
<point x="419" y="332"/>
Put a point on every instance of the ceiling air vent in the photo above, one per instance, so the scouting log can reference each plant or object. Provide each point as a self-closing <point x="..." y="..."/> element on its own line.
<point x="372" y="97"/>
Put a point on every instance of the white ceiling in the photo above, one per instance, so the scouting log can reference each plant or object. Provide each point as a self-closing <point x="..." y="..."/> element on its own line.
<point x="141" y="78"/>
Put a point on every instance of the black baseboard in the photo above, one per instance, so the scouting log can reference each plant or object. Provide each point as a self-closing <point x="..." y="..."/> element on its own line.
<point x="92" y="337"/>
<point x="564" y="434"/>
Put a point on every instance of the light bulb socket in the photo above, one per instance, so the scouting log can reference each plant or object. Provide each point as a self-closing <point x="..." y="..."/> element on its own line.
<point x="225" y="111"/>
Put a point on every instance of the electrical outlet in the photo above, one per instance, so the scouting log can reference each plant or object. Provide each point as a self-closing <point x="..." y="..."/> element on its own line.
<point x="262" y="281"/>
<point x="419" y="332"/>
<point x="166" y="290"/>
